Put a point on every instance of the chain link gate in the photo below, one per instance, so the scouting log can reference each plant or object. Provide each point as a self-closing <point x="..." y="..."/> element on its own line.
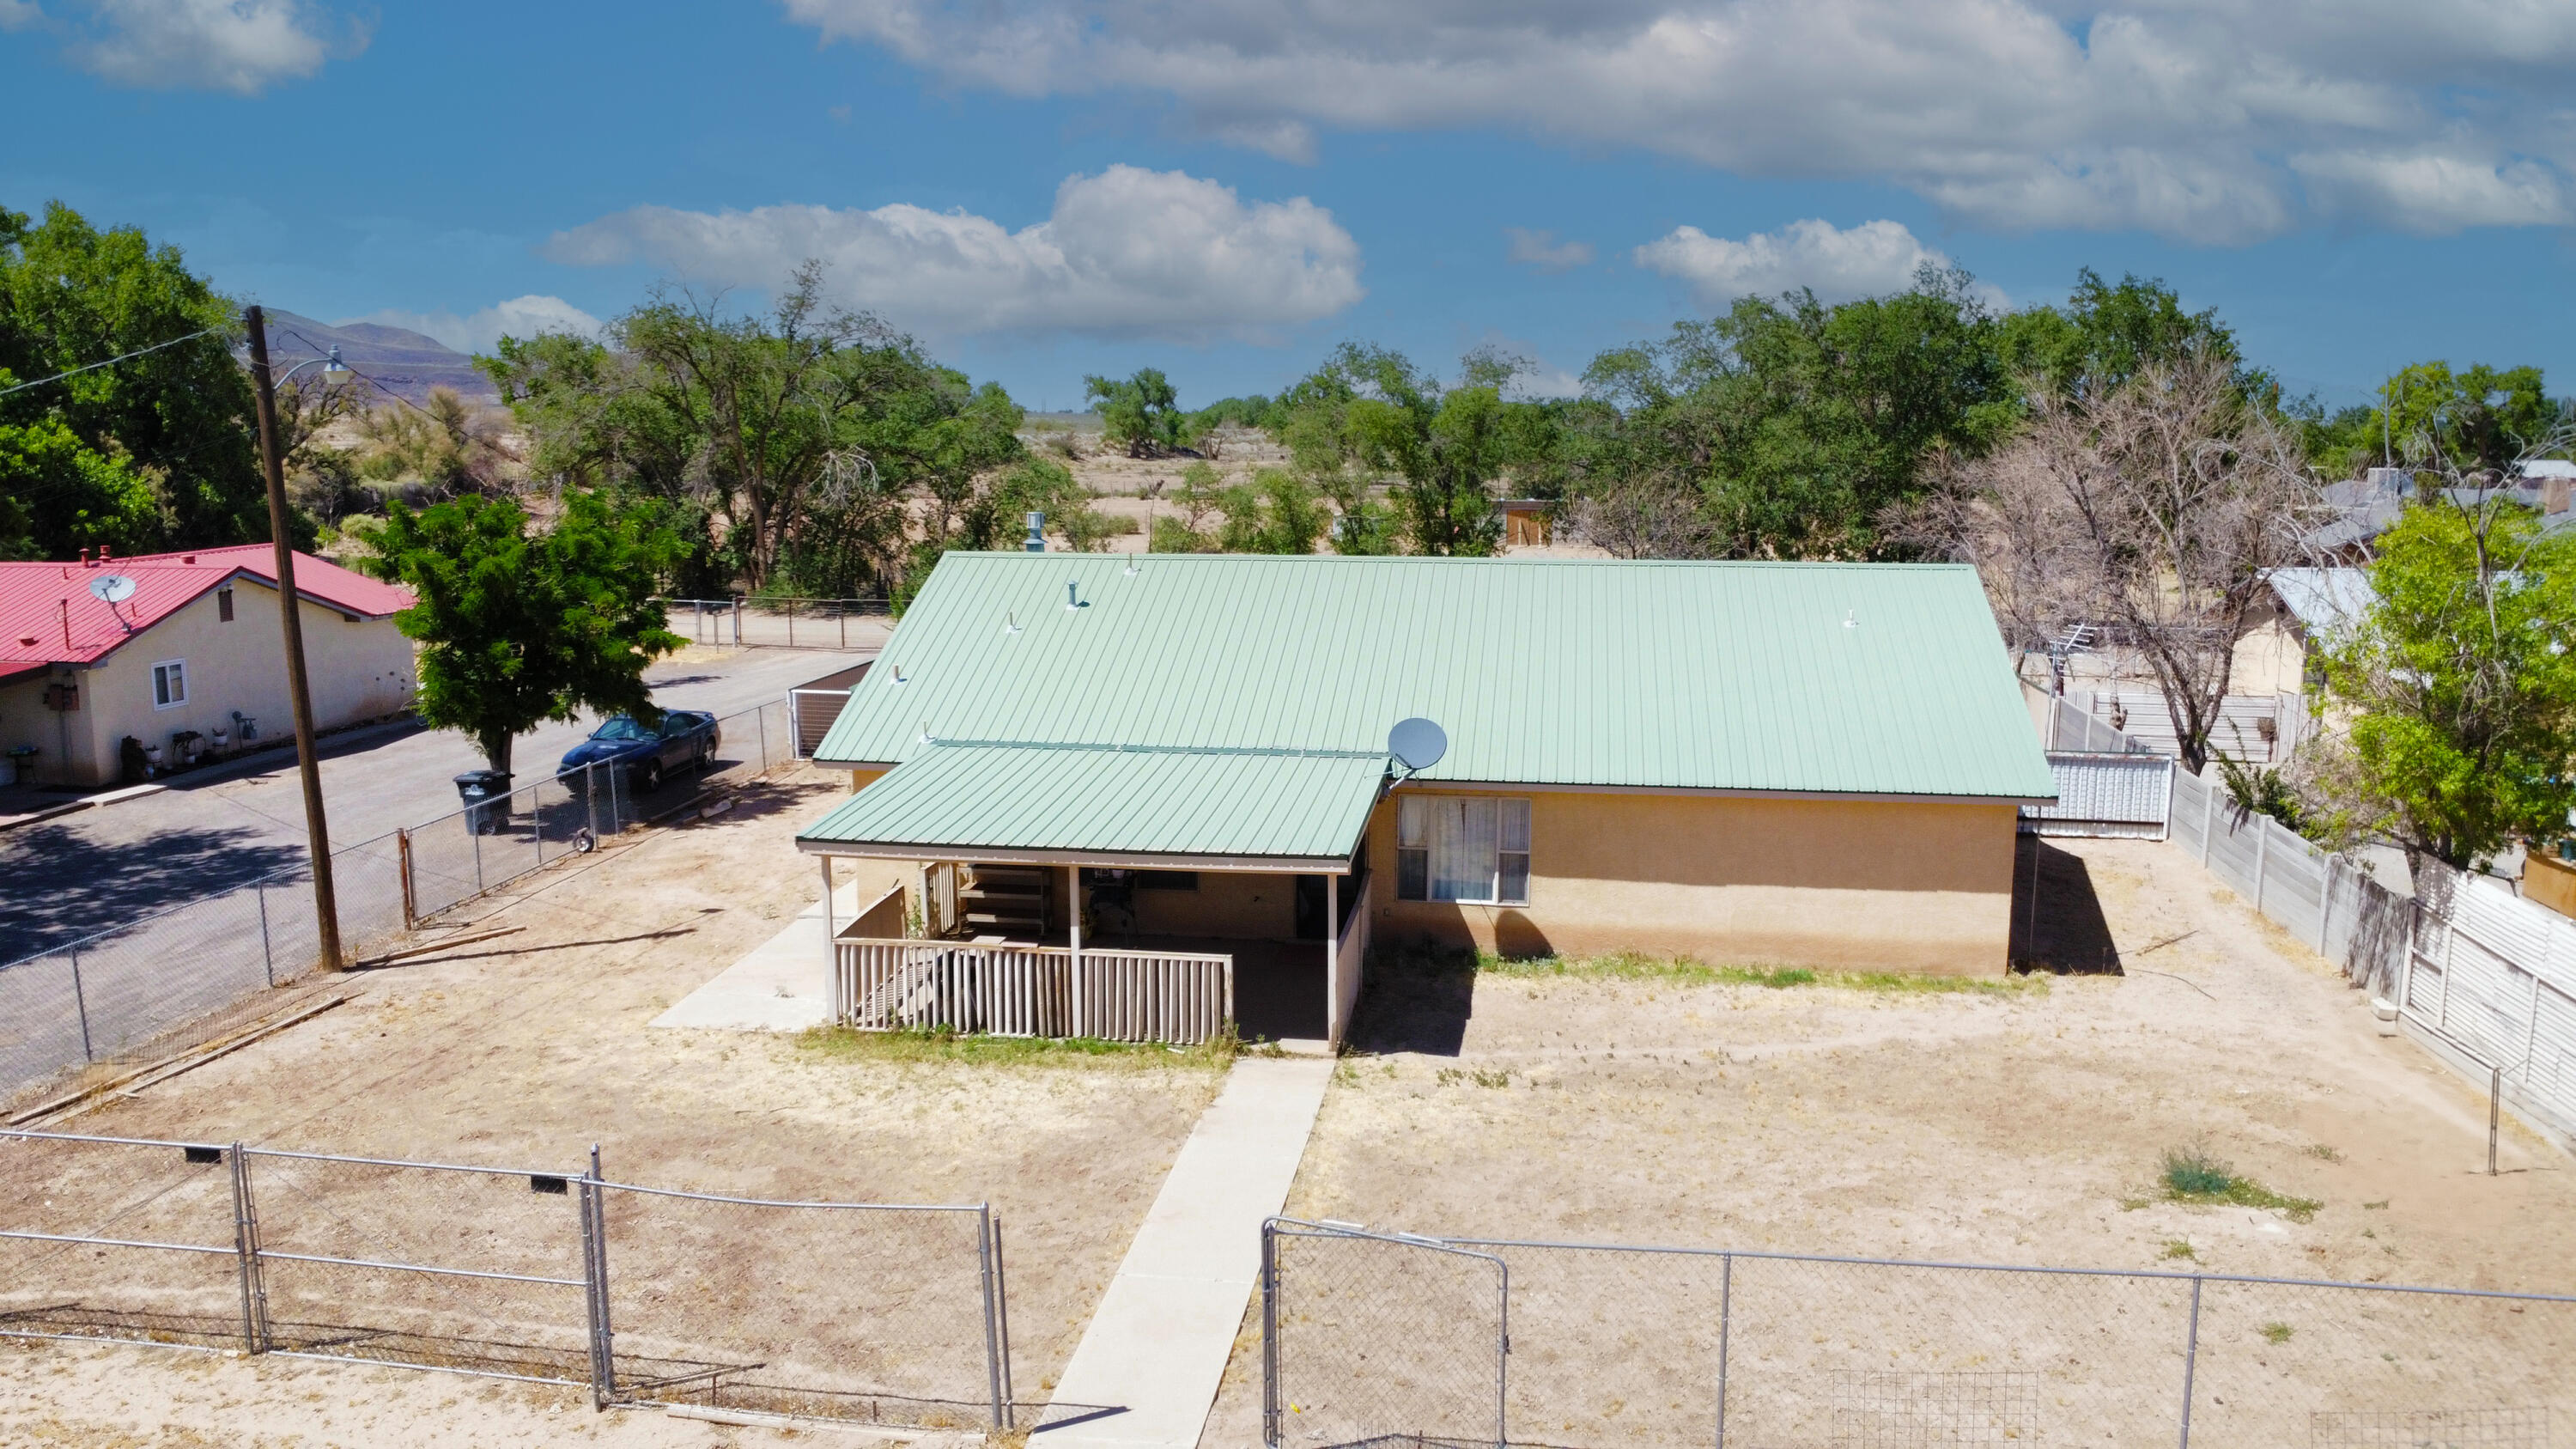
<point x="1397" y="1337"/>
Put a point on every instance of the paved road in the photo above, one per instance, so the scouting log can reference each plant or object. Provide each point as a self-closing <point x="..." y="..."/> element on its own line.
<point x="65" y="878"/>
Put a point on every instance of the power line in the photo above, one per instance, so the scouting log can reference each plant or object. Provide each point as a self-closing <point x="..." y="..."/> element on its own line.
<point x="111" y="362"/>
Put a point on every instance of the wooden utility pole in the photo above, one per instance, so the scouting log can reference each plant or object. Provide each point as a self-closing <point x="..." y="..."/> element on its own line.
<point x="317" y="831"/>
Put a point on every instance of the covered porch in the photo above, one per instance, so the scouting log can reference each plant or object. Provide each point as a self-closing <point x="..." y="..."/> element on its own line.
<point x="1120" y="894"/>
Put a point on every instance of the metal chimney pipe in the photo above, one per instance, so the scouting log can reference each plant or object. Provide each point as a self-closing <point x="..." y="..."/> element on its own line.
<point x="1037" y="533"/>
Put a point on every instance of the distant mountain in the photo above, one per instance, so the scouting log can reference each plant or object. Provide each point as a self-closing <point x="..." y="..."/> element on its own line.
<point x="403" y="361"/>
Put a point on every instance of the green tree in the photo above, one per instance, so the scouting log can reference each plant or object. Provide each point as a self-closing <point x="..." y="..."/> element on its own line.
<point x="2478" y="419"/>
<point x="59" y="496"/>
<point x="1141" y="413"/>
<point x="518" y="627"/>
<point x="2462" y="686"/>
<point x="1800" y="425"/>
<point x="1276" y="512"/>
<point x="179" y="418"/>
<point x="1369" y="416"/>
<point x="788" y="450"/>
<point x="2106" y="334"/>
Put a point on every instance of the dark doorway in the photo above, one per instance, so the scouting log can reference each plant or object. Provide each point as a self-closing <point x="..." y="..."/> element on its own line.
<point x="1310" y="908"/>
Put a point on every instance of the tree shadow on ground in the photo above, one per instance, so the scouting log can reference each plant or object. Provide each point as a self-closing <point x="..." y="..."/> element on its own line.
<point x="1414" y="999"/>
<point x="2067" y="934"/>
<point x="63" y="886"/>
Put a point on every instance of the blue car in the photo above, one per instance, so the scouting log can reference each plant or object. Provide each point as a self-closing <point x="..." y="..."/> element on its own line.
<point x="686" y="739"/>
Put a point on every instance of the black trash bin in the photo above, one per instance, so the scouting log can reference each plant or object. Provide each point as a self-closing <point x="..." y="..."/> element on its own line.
<point x="486" y="794"/>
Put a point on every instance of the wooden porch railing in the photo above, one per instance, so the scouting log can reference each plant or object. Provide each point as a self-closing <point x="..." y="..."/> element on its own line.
<point x="1021" y="990"/>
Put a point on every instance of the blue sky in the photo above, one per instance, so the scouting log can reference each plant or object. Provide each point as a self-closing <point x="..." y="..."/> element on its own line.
<point x="1045" y="188"/>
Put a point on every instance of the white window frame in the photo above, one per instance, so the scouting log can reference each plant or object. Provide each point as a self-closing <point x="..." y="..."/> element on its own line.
<point x="161" y="697"/>
<point x="1421" y="816"/>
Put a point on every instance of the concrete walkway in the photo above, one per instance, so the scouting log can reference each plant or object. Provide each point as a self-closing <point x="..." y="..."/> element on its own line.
<point x="783" y="985"/>
<point x="1147" y="1369"/>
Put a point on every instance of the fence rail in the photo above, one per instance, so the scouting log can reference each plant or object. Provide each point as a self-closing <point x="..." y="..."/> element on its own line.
<point x="781" y="622"/>
<point x="1376" y="1337"/>
<point x="882" y="1313"/>
<point x="1010" y="989"/>
<point x="94" y="998"/>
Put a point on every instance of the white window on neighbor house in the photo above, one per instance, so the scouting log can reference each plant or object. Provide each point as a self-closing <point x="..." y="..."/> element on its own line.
<point x="1468" y="848"/>
<point x="170" y="684"/>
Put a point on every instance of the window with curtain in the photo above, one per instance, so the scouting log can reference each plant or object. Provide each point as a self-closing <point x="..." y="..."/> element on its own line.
<point x="1469" y="848"/>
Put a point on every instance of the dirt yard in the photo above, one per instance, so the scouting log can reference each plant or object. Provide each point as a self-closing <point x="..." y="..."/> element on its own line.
<point x="2017" y="1126"/>
<point x="522" y="1052"/>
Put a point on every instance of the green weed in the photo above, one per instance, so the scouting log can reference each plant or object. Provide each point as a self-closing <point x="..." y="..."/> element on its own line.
<point x="1689" y="971"/>
<point x="2277" y="1332"/>
<point x="2178" y="1248"/>
<point x="846" y="1044"/>
<point x="2192" y="1174"/>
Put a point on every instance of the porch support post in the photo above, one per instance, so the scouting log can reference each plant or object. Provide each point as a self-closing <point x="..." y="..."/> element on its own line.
<point x="831" y="947"/>
<point x="1333" y="1022"/>
<point x="1073" y="935"/>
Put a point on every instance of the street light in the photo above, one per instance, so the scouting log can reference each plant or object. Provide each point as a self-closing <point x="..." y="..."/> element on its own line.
<point x="326" y="905"/>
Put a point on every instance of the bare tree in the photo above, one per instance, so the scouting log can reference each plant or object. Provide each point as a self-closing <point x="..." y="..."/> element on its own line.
<point x="2155" y="507"/>
<point x="1643" y="516"/>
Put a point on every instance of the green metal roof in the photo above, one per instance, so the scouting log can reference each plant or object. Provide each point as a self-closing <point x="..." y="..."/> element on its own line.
<point x="1878" y="679"/>
<point x="977" y="799"/>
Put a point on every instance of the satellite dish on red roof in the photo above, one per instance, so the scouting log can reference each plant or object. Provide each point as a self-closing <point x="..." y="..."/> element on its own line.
<point x="112" y="588"/>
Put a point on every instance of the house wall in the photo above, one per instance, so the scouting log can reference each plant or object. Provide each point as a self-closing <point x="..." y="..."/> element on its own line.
<point x="1844" y="885"/>
<point x="2549" y="881"/>
<point x="2271" y="655"/>
<point x="358" y="670"/>
<point x="1236" y="904"/>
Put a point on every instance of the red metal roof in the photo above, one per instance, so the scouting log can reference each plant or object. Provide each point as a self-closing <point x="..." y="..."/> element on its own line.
<point x="49" y="616"/>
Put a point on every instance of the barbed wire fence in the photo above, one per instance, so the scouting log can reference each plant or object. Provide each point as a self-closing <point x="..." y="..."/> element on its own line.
<point x="863" y="1312"/>
<point x="1371" y="1337"/>
<point x="99" y="997"/>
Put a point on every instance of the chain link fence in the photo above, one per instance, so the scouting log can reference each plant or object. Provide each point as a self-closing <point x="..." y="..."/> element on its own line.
<point x="1376" y="1337"/>
<point x="782" y="622"/>
<point x="873" y="1313"/>
<point x="96" y="998"/>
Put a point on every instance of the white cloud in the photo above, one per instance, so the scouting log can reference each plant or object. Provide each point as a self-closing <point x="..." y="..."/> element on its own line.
<point x="481" y="331"/>
<point x="1837" y="263"/>
<point x="242" y="46"/>
<point x="2207" y="120"/>
<point x="1541" y="250"/>
<point x="1128" y="251"/>
<point x="19" y="14"/>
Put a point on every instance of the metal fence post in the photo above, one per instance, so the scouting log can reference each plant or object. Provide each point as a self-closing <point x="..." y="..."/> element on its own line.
<point x="537" y="819"/>
<point x="80" y="1004"/>
<point x="474" y="833"/>
<point x="410" y="897"/>
<point x="1270" y="1425"/>
<point x="760" y="718"/>
<point x="1725" y="1325"/>
<point x="791" y="623"/>
<point x="2190" y="1361"/>
<point x="594" y="1248"/>
<point x="1002" y="1317"/>
<point x="254" y="1289"/>
<point x="2206" y="796"/>
<point x="992" y="1324"/>
<point x="2262" y="854"/>
<point x="1503" y="1355"/>
<point x="267" y="954"/>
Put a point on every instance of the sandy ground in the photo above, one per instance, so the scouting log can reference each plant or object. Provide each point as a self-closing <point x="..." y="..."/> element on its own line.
<point x="522" y="1052"/>
<point x="2024" y="1128"/>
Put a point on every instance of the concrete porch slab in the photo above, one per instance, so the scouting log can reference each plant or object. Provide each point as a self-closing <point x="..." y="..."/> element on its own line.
<point x="783" y="985"/>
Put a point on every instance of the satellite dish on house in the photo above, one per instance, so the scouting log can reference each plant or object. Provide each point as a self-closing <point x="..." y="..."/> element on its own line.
<point x="112" y="588"/>
<point x="1417" y="744"/>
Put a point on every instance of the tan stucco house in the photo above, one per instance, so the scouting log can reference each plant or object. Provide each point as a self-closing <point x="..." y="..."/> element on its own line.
<point x="184" y="656"/>
<point x="1158" y="759"/>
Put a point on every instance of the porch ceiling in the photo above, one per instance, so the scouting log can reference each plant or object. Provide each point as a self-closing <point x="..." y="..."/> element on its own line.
<point x="1102" y="804"/>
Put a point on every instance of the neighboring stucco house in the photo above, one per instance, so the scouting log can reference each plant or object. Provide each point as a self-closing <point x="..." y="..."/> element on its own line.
<point x="197" y="647"/>
<point x="1814" y="764"/>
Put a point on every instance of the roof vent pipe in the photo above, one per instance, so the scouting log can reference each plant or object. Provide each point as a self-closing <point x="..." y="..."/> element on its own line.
<point x="1037" y="533"/>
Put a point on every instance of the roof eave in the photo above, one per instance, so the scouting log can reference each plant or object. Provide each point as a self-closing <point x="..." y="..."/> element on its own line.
<point x="1106" y="859"/>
